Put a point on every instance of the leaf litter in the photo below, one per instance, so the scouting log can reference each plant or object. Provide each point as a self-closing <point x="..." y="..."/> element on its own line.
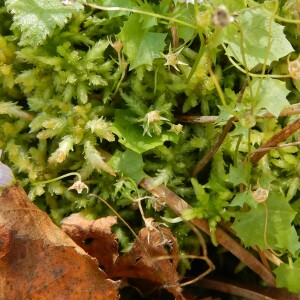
<point x="39" y="261"/>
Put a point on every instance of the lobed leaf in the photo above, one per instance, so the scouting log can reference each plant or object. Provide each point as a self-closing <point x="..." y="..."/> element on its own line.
<point x="287" y="276"/>
<point x="255" y="25"/>
<point x="131" y="135"/>
<point x="250" y="225"/>
<point x="140" y="45"/>
<point x="37" y="19"/>
<point x="271" y="95"/>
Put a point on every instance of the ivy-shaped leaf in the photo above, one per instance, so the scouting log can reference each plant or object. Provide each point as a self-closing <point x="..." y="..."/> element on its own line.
<point x="255" y="24"/>
<point x="186" y="14"/>
<point x="288" y="239"/>
<point x="140" y="45"/>
<point x="131" y="134"/>
<point x="37" y="19"/>
<point x="287" y="276"/>
<point x="239" y="175"/>
<point x="131" y="164"/>
<point x="272" y="95"/>
<point x="147" y="21"/>
<point x="117" y="3"/>
<point x="249" y="226"/>
<point x="242" y="198"/>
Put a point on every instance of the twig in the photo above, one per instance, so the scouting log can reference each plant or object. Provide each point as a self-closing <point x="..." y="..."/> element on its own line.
<point x="204" y="161"/>
<point x="268" y="254"/>
<point x="275" y="140"/>
<point x="261" y="149"/>
<point x="208" y="156"/>
<point x="178" y="205"/>
<point x="293" y="109"/>
<point x="248" y="291"/>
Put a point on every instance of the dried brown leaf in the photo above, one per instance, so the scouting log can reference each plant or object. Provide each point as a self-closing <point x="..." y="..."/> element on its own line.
<point x="152" y="261"/>
<point x="39" y="261"/>
<point x="94" y="236"/>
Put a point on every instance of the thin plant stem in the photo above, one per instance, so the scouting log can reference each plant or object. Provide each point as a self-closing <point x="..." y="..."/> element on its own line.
<point x="218" y="87"/>
<point x="141" y="12"/>
<point x="293" y="109"/>
<point x="264" y="67"/>
<point x="253" y="74"/>
<point x="60" y="177"/>
<point x="275" y="140"/>
<point x="116" y="213"/>
<point x="237" y="150"/>
<point x="199" y="55"/>
<point x="286" y="20"/>
<point x="265" y="230"/>
<point x="204" y="161"/>
<point x="245" y="62"/>
<point x="263" y="149"/>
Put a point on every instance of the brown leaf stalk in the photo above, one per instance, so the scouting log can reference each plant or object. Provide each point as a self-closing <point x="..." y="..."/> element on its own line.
<point x="178" y="205"/>
<point x="275" y="140"/>
<point x="293" y="109"/>
<point x="205" y="160"/>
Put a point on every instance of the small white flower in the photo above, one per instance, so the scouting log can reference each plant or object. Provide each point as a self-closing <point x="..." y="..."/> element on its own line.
<point x="6" y="175"/>
<point x="78" y="186"/>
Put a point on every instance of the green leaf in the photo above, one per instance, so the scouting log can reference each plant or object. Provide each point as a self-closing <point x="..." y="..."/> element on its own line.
<point x="140" y="45"/>
<point x="272" y="95"/>
<point x="256" y="31"/>
<point x="287" y="276"/>
<point x="37" y="19"/>
<point x="131" y="134"/>
<point x="200" y="193"/>
<point x="288" y="239"/>
<point x="231" y="5"/>
<point x="249" y="226"/>
<point x="239" y="175"/>
<point x="12" y="109"/>
<point x="117" y="3"/>
<point x="242" y="198"/>
<point x="130" y="164"/>
<point x="186" y="14"/>
<point x="219" y="186"/>
<point x="147" y="21"/>
<point x="224" y="114"/>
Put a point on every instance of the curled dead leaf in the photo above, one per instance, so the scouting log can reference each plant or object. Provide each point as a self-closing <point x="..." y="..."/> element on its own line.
<point x="94" y="236"/>
<point x="39" y="261"/>
<point x="152" y="262"/>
